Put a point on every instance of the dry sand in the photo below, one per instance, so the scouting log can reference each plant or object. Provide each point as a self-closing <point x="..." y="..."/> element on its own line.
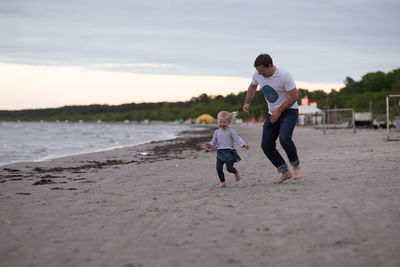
<point x="119" y="208"/>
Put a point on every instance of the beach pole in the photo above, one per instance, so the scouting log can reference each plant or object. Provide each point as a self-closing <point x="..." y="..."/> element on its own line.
<point x="387" y="118"/>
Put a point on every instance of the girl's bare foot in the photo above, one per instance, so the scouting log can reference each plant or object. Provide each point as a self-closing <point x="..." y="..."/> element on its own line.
<point x="221" y="185"/>
<point x="237" y="176"/>
<point x="296" y="173"/>
<point x="285" y="176"/>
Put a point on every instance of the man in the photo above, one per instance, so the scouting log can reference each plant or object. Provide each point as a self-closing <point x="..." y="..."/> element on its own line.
<point x="281" y="95"/>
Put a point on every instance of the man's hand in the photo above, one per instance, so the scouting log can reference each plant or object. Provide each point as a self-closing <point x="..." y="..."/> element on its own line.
<point x="293" y="97"/>
<point x="249" y="96"/>
<point x="275" y="115"/>
<point x="246" y="109"/>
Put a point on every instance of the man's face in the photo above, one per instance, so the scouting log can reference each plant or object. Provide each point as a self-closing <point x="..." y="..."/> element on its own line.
<point x="265" y="71"/>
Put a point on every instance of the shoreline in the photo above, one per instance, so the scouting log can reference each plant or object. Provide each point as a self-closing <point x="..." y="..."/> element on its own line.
<point x="164" y="209"/>
<point x="152" y="151"/>
<point x="178" y="135"/>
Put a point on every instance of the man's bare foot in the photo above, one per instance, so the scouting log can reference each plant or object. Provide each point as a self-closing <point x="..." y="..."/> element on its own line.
<point x="285" y="176"/>
<point x="237" y="176"/>
<point x="296" y="173"/>
<point x="221" y="185"/>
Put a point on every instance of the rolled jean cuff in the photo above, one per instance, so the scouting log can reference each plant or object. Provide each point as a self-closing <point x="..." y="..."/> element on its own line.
<point x="282" y="168"/>
<point x="295" y="163"/>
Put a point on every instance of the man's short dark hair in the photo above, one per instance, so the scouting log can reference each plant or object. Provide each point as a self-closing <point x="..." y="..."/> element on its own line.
<point x="263" y="60"/>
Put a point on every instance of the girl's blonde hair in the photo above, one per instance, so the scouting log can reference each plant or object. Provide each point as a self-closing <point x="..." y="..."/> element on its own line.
<point x="225" y="115"/>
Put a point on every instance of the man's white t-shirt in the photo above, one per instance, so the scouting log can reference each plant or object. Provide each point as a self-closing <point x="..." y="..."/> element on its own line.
<point x="275" y="88"/>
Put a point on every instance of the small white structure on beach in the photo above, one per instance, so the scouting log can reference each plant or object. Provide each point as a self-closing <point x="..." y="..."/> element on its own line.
<point x="363" y="118"/>
<point x="310" y="115"/>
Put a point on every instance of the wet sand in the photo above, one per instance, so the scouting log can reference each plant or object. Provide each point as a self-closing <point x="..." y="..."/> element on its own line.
<point x="157" y="205"/>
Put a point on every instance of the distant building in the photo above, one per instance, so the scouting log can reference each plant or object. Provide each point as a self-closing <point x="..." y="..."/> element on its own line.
<point x="309" y="113"/>
<point x="305" y="101"/>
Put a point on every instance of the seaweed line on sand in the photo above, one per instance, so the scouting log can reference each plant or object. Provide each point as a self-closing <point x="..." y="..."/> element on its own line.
<point x="159" y="150"/>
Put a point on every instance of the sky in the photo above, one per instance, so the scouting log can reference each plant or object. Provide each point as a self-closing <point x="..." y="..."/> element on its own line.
<point x="79" y="52"/>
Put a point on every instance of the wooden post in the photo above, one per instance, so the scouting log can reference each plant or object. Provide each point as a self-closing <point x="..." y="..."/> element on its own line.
<point x="387" y="118"/>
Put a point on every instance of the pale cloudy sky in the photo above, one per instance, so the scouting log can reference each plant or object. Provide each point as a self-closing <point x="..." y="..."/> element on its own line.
<point x="55" y="52"/>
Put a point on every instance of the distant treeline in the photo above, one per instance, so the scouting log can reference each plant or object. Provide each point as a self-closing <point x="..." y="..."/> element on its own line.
<point x="369" y="92"/>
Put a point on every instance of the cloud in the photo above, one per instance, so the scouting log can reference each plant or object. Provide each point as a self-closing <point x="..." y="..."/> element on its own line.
<point x="319" y="86"/>
<point x="135" y="65"/>
<point x="27" y="86"/>
<point x="317" y="41"/>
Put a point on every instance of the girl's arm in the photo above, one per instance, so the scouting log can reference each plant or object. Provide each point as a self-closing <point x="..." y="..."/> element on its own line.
<point x="239" y="139"/>
<point x="213" y="141"/>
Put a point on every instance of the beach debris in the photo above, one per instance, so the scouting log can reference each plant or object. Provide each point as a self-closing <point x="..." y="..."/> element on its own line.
<point x="87" y="182"/>
<point x="145" y="153"/>
<point x="164" y="151"/>
<point x="92" y="164"/>
<point x="62" y="188"/>
<point x="12" y="176"/>
<point x="11" y="170"/>
<point x="57" y="188"/>
<point x="48" y="176"/>
<point x="41" y="170"/>
<point x="44" y="181"/>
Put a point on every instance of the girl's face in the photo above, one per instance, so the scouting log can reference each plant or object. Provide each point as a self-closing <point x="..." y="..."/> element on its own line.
<point x="223" y="123"/>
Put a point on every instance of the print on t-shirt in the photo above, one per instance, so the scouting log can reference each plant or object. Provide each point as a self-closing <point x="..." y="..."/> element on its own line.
<point x="270" y="94"/>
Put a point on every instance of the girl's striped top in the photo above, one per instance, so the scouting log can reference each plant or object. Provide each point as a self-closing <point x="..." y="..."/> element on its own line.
<point x="225" y="139"/>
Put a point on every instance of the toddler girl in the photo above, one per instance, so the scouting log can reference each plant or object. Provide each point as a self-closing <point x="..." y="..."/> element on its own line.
<point x="224" y="139"/>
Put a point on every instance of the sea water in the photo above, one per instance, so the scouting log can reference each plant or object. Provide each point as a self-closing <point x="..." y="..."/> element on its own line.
<point x="36" y="141"/>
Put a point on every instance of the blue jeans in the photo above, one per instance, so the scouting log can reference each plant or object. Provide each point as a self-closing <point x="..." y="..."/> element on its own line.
<point x="283" y="128"/>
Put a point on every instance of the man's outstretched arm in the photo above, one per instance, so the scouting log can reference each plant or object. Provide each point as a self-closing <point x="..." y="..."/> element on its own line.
<point x="251" y="91"/>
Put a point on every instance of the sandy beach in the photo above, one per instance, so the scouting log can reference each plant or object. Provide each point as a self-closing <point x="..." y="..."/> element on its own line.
<point x="157" y="205"/>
